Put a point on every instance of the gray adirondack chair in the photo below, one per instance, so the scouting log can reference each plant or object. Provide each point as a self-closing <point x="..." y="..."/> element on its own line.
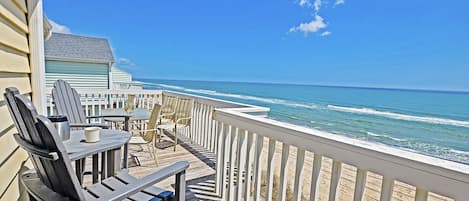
<point x="54" y="178"/>
<point x="67" y="102"/>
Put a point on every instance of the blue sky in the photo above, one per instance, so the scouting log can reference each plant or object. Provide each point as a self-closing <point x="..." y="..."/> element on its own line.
<point x="398" y="44"/>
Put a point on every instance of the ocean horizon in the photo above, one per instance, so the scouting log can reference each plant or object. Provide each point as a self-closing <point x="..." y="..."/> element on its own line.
<point x="430" y="122"/>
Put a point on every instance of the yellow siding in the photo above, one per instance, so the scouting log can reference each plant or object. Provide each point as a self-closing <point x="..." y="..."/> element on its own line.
<point x="12" y="37"/>
<point x="14" y="71"/>
<point x="11" y="12"/>
<point x="14" y="58"/>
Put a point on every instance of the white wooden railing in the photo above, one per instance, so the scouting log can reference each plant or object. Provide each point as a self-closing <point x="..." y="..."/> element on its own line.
<point x="95" y="100"/>
<point x="241" y="141"/>
<point x="254" y="151"/>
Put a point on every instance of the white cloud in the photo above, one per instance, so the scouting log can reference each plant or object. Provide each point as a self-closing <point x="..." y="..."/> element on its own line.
<point x="317" y="6"/>
<point x="305" y="3"/>
<point x="326" y="33"/>
<point x="125" y="63"/>
<point x="59" y="28"/>
<point x="339" y="2"/>
<point x="310" y="27"/>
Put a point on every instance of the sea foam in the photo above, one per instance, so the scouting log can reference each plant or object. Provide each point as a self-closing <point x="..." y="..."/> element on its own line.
<point x="406" y="117"/>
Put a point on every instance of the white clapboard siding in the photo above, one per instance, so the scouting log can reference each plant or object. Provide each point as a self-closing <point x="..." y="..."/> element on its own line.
<point x="119" y="75"/>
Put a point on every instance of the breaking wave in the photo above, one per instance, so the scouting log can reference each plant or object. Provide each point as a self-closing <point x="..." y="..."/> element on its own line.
<point x="381" y="136"/>
<point x="391" y="115"/>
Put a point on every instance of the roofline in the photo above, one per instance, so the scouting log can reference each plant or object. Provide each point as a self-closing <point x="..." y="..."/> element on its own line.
<point x="82" y="36"/>
<point x="49" y="58"/>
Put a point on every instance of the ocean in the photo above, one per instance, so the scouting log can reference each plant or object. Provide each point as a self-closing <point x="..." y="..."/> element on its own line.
<point x="428" y="122"/>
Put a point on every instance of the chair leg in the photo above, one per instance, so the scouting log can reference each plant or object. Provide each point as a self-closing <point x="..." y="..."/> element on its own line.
<point x="180" y="186"/>
<point x="158" y="134"/>
<point x="190" y="134"/>
<point x="175" y="137"/>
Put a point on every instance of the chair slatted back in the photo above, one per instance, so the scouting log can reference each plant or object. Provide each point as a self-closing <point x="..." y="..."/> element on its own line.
<point x="130" y="103"/>
<point x="184" y="110"/>
<point x="169" y="104"/>
<point x="67" y="102"/>
<point x="41" y="135"/>
<point x="155" y="114"/>
<point x="20" y="124"/>
<point x="14" y="113"/>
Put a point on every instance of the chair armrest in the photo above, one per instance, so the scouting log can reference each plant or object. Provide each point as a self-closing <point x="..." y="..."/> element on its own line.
<point x="45" y="154"/>
<point x="145" y="182"/>
<point x="167" y="114"/>
<point x="108" y="116"/>
<point x="181" y="119"/>
<point x="85" y="125"/>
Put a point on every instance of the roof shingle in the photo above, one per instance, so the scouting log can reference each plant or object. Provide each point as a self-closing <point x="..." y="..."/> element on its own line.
<point x="80" y="48"/>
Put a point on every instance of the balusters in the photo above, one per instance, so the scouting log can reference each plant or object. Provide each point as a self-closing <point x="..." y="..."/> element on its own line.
<point x="205" y="125"/>
<point x="270" y="169"/>
<point x="208" y="120"/>
<point x="86" y="105"/>
<point x="199" y="124"/>
<point x="93" y="104"/>
<point x="215" y="136"/>
<point x="241" y="159"/>
<point x="386" y="189"/>
<point x="421" y="195"/>
<point x="284" y="172"/>
<point x="335" y="177"/>
<point x="248" y="167"/>
<point x="100" y="103"/>
<point x="232" y="155"/>
<point x="360" y="184"/>
<point x="220" y="180"/>
<point x="107" y="101"/>
<point x="300" y="160"/>
<point x="258" y="167"/>
<point x="317" y="163"/>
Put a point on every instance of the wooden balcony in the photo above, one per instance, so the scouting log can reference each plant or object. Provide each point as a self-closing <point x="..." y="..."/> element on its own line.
<point x="237" y="154"/>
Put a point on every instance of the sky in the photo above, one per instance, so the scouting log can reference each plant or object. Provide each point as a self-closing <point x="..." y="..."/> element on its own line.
<point x="418" y="44"/>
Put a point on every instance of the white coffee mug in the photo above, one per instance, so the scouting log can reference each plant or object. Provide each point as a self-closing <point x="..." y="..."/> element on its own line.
<point x="92" y="134"/>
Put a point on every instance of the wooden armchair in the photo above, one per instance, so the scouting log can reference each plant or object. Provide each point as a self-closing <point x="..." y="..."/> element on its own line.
<point x="182" y="117"/>
<point x="53" y="178"/>
<point x="67" y="102"/>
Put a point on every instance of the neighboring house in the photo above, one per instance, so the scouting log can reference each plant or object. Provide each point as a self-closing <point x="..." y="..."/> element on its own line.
<point x="21" y="66"/>
<point x="123" y="80"/>
<point x="85" y="62"/>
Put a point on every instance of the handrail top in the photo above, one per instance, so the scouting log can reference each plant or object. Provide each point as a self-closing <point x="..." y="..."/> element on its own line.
<point x="450" y="169"/>
<point x="230" y="104"/>
<point x="116" y="91"/>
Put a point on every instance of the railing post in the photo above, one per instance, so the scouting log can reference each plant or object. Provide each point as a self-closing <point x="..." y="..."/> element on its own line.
<point x="220" y="175"/>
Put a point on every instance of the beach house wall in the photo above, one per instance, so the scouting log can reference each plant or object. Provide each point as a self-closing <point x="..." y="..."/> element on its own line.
<point x="84" y="62"/>
<point x="123" y="80"/>
<point x="119" y="75"/>
<point x="21" y="66"/>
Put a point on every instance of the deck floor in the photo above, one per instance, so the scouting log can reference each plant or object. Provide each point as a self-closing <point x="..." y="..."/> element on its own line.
<point x="199" y="176"/>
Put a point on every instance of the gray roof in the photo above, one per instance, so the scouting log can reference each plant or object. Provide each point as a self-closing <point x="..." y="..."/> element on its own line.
<point x="78" y="48"/>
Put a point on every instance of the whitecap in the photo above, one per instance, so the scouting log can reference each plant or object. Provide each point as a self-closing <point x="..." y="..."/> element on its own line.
<point x="371" y="134"/>
<point x="391" y="115"/>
